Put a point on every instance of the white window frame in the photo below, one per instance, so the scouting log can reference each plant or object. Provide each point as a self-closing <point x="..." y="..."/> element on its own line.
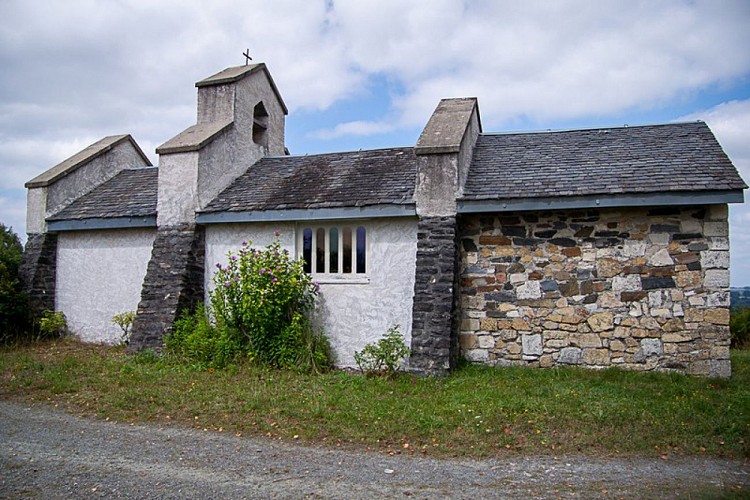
<point x="340" y="277"/>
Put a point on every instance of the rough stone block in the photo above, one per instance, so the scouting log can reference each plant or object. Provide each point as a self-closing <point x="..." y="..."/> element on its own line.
<point x="529" y="290"/>
<point x="661" y="258"/>
<point x="520" y="325"/>
<point x="654" y="283"/>
<point x="587" y="340"/>
<point x="477" y="355"/>
<point x="596" y="357"/>
<point x="616" y="345"/>
<point x="716" y="278"/>
<point x="715" y="259"/>
<point x="718" y="299"/>
<point x="720" y="368"/>
<point x="632" y="248"/>
<point x="532" y="344"/>
<point x="673" y="325"/>
<point x="630" y="283"/>
<point x="688" y="279"/>
<point x="718" y="243"/>
<point x="601" y="322"/>
<point x="676" y="337"/>
<point x="716" y="228"/>
<point x="720" y="352"/>
<point x="716" y="316"/>
<point x="467" y="341"/>
<point x="513" y="348"/>
<point x="570" y="356"/>
<point x="693" y="315"/>
<point x="652" y="347"/>
<point x="607" y="268"/>
<point x="546" y="361"/>
<point x="485" y="341"/>
<point x="470" y="324"/>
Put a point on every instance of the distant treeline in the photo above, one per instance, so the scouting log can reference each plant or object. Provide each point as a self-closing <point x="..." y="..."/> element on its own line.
<point x="740" y="297"/>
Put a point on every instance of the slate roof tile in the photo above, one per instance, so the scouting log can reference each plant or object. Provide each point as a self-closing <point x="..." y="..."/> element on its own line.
<point x="643" y="159"/>
<point x="333" y="180"/>
<point x="130" y="193"/>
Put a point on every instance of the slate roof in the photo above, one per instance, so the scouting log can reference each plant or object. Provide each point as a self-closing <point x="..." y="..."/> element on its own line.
<point x="642" y="159"/>
<point x="130" y="193"/>
<point x="333" y="180"/>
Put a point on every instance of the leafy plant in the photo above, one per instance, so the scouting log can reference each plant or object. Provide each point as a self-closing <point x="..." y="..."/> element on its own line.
<point x="125" y="321"/>
<point x="739" y="325"/>
<point x="53" y="324"/>
<point x="14" y="319"/>
<point x="384" y="356"/>
<point x="195" y="339"/>
<point x="260" y="305"/>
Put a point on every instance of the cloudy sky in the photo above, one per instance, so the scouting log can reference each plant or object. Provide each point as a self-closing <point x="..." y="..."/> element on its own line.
<point x="366" y="74"/>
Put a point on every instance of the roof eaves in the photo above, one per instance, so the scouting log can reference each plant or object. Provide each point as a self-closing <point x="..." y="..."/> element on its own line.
<point x="600" y="201"/>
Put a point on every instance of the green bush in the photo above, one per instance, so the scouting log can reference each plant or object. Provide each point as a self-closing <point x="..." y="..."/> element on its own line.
<point x="14" y="320"/>
<point x="739" y="325"/>
<point x="260" y="305"/>
<point x="194" y="339"/>
<point x="384" y="357"/>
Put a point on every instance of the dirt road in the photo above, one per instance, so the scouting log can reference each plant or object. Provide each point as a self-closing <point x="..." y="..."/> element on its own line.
<point x="46" y="453"/>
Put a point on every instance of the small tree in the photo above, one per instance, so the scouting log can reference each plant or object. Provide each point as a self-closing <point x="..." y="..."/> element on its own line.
<point x="14" y="319"/>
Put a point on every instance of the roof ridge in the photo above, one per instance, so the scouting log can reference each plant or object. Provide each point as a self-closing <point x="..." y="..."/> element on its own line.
<point x="368" y="150"/>
<point x="587" y="129"/>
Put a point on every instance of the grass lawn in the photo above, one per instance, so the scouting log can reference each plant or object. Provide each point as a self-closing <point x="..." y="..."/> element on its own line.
<point x="477" y="411"/>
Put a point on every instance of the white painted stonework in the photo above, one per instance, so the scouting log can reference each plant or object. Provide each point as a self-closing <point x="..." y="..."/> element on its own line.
<point x="352" y="313"/>
<point x="100" y="274"/>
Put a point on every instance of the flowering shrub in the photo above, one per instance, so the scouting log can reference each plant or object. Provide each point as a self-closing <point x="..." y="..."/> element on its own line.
<point x="260" y="303"/>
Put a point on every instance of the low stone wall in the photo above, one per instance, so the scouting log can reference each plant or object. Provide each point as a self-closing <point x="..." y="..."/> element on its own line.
<point x="643" y="289"/>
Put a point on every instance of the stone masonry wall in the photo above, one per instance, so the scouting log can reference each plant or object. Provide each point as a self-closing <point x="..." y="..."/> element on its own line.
<point x="38" y="271"/>
<point x="642" y="289"/>
<point x="433" y="335"/>
<point x="173" y="283"/>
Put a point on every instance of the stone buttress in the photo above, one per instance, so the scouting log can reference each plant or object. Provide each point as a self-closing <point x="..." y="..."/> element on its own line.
<point x="443" y="152"/>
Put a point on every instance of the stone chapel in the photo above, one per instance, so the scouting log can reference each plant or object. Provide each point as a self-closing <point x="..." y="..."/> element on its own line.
<point x="600" y="248"/>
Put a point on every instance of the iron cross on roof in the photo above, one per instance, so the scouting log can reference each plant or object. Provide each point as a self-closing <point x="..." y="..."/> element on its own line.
<point x="247" y="57"/>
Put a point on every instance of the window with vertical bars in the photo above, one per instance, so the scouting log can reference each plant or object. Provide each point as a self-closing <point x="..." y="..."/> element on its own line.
<point x="339" y="250"/>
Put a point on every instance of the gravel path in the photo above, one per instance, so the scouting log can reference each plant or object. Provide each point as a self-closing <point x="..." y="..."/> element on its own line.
<point x="46" y="453"/>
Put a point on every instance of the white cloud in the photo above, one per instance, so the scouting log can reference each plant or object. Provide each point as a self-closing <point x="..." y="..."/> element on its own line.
<point x="356" y="128"/>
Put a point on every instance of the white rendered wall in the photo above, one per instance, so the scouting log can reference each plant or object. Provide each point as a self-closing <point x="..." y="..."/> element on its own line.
<point x="352" y="314"/>
<point x="100" y="274"/>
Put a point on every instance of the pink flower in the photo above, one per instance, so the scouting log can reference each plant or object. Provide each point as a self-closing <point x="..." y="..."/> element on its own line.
<point x="274" y="280"/>
<point x="276" y="233"/>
